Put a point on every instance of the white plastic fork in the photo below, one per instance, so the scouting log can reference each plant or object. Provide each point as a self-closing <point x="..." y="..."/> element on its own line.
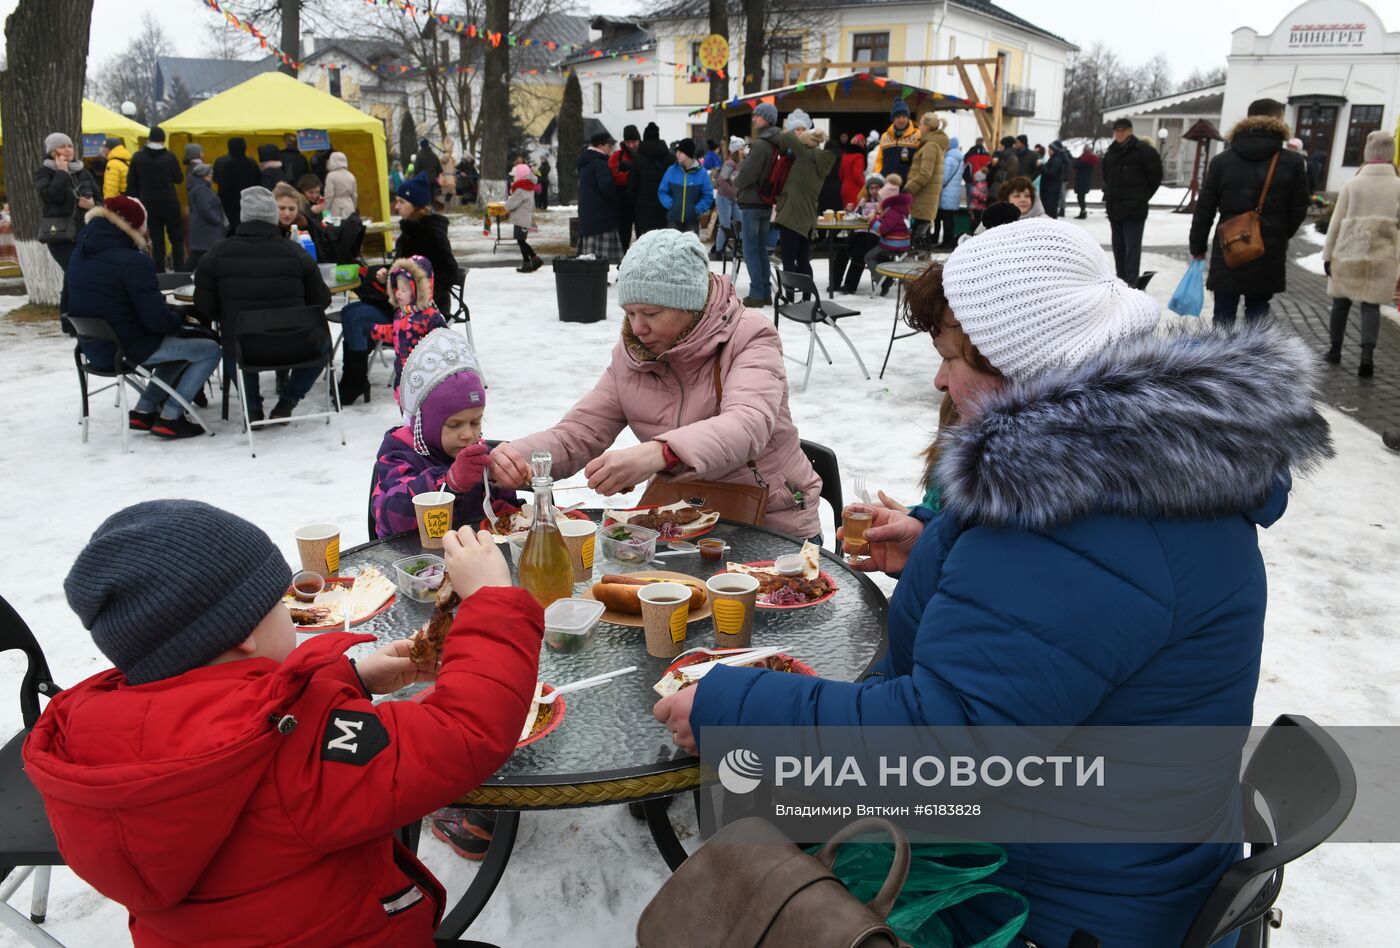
<point x="581" y="684"/>
<point x="696" y="672"/>
<point x="486" y="488"/>
<point x="860" y="490"/>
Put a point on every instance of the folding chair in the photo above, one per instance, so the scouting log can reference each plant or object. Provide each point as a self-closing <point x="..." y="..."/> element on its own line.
<point x="1298" y="788"/>
<point x="27" y="845"/>
<point x="1144" y="279"/>
<point x="824" y="462"/>
<point x="813" y="313"/>
<point x="460" y="312"/>
<point x="122" y="370"/>
<point x="270" y="340"/>
<point x="733" y="249"/>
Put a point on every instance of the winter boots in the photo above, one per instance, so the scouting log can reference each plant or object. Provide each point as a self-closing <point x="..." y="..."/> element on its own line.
<point x="354" y="377"/>
<point x="531" y="265"/>
<point x="1367" y="367"/>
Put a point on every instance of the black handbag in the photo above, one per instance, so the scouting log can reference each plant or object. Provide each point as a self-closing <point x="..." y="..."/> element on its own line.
<point x="56" y="230"/>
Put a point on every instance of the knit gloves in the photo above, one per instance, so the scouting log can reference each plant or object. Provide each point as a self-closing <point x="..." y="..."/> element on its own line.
<point x="471" y="462"/>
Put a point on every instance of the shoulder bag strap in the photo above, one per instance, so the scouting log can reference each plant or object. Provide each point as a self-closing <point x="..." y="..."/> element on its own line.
<point x="719" y="401"/>
<point x="1267" y="181"/>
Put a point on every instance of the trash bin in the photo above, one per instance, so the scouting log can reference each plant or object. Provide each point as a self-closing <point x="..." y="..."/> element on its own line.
<point x="582" y="289"/>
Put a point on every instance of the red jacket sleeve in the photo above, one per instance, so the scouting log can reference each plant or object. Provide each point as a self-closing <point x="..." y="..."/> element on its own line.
<point x="433" y="751"/>
<point x="619" y="174"/>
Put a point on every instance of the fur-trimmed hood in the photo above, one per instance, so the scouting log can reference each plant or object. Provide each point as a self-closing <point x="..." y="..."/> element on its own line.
<point x="1254" y="124"/>
<point x="419" y="271"/>
<point x="1179" y="425"/>
<point x="100" y="213"/>
<point x="1258" y="137"/>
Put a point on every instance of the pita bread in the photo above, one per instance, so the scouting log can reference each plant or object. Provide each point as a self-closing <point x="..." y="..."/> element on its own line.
<point x="371" y="590"/>
<point x="532" y="713"/>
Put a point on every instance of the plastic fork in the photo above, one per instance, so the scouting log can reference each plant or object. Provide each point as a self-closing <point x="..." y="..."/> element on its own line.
<point x="695" y="672"/>
<point x="860" y="490"/>
<point x="581" y="684"/>
<point x="486" y="487"/>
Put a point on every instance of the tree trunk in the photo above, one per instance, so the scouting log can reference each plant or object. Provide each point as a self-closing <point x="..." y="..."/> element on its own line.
<point x="755" y="19"/>
<point x="570" y="138"/>
<point x="41" y="91"/>
<point x="495" y="104"/>
<point x="291" y="33"/>
<point x="719" y="87"/>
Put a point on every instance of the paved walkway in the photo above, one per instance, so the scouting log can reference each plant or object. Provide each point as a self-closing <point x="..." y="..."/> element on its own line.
<point x="1375" y="402"/>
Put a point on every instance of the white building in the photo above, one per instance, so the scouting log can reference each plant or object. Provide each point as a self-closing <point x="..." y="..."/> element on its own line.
<point x="669" y="83"/>
<point x="1337" y="69"/>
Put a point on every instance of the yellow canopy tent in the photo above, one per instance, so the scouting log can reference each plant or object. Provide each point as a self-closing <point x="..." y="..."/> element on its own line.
<point x="270" y="105"/>
<point x="97" y="120"/>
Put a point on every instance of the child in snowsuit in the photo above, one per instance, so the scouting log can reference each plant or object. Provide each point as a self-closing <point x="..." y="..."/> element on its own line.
<point x="222" y="782"/>
<point x="980" y="195"/>
<point x="893" y="227"/>
<point x="415" y="313"/>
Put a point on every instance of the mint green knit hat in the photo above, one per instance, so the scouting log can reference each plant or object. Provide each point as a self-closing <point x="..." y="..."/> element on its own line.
<point x="665" y="268"/>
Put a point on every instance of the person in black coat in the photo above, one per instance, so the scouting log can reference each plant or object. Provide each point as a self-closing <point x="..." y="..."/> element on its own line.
<point x="1084" y="167"/>
<point x="429" y="164"/>
<point x="1008" y="165"/>
<point x="270" y="167"/>
<point x="152" y="179"/>
<point x="421" y="233"/>
<point x="232" y="173"/>
<point x="598" y="211"/>
<point x="1317" y="164"/>
<point x="294" y="163"/>
<point x="1232" y="185"/>
<point x="1132" y="172"/>
<point x="1027" y="158"/>
<point x="649" y="165"/>
<point x="258" y="268"/>
<point x="66" y="190"/>
<point x="542" y="195"/>
<point x="111" y="277"/>
<point x="1053" y="177"/>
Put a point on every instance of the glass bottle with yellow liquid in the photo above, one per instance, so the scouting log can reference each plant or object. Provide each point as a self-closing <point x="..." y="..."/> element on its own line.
<point x="546" y="572"/>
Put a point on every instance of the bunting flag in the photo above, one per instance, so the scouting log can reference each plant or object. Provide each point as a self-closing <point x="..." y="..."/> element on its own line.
<point x="845" y="86"/>
<point x="906" y="92"/>
<point x="831" y="90"/>
<point x="247" y="26"/>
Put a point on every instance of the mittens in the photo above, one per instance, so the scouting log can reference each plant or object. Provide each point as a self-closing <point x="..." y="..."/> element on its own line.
<point x="465" y="472"/>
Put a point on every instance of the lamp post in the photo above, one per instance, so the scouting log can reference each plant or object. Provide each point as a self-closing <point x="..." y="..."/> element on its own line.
<point x="129" y="108"/>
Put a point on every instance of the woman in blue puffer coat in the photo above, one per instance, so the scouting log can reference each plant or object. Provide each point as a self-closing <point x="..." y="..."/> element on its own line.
<point x="1096" y="558"/>
<point x="950" y="199"/>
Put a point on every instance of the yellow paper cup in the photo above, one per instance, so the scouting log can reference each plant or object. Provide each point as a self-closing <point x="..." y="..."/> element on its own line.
<point x="665" y="612"/>
<point x="733" y="597"/>
<point x="433" y="510"/>
<point x="319" y="547"/>
<point x="581" y="537"/>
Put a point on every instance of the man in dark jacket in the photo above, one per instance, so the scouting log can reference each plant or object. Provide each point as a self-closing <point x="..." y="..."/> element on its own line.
<point x="258" y="268"/>
<point x="428" y="163"/>
<point x="755" y="213"/>
<point x="649" y="164"/>
<point x="1232" y="186"/>
<point x="620" y="164"/>
<point x="1008" y="165"/>
<point x="270" y="167"/>
<point x="1132" y="172"/>
<point x="1084" y="167"/>
<point x="598" y="202"/>
<point x="112" y="278"/>
<point x="152" y="179"/>
<point x="232" y="173"/>
<point x="1028" y="159"/>
<point x="294" y="163"/>
<point x="1053" y="177"/>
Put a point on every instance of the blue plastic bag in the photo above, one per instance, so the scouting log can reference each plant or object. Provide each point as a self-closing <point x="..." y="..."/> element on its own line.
<point x="1190" y="294"/>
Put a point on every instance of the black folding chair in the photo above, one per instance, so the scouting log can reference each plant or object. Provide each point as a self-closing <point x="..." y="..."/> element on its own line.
<point x="27" y="844"/>
<point x="733" y="249"/>
<point x="123" y="371"/>
<point x="273" y="340"/>
<point x="824" y="462"/>
<point x="1144" y="279"/>
<point x="1298" y="788"/>
<point x="460" y="311"/>
<point x="812" y="314"/>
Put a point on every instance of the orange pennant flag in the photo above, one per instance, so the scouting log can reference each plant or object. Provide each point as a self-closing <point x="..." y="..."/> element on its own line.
<point x="770" y="99"/>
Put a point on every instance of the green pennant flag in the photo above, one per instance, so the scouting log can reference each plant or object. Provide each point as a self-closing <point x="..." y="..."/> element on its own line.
<point x="906" y="93"/>
<point x="802" y="87"/>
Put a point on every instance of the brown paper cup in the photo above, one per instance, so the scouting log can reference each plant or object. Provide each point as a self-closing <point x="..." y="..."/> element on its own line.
<point x="581" y="537"/>
<point x="319" y="547"/>
<point x="665" y="611"/>
<point x="433" y="510"/>
<point x="733" y="597"/>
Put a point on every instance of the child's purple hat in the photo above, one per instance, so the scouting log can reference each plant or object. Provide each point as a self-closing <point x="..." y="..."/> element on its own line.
<point x="440" y="378"/>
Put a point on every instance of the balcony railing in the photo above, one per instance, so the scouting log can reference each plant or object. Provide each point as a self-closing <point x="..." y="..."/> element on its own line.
<point x="1019" y="100"/>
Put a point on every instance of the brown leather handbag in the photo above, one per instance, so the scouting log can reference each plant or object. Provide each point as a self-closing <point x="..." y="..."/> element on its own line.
<point x="749" y="886"/>
<point x="1241" y="238"/>
<point x="741" y="503"/>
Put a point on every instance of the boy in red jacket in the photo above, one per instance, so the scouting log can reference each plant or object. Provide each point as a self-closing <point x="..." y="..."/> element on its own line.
<point x="228" y="786"/>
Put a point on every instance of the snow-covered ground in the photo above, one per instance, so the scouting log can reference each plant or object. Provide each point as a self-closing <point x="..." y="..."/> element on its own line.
<point x="585" y="875"/>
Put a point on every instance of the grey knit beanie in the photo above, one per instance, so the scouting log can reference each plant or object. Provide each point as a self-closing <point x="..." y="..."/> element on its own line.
<point x="257" y="204"/>
<point x="768" y="112"/>
<point x="166" y="586"/>
<point x="55" y="140"/>
<point x="665" y="268"/>
<point x="1380" y="146"/>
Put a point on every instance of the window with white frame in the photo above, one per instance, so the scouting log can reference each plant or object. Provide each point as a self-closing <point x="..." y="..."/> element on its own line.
<point x="636" y="92"/>
<point x="781" y="51"/>
<point x="871" y="48"/>
<point x="597" y="98"/>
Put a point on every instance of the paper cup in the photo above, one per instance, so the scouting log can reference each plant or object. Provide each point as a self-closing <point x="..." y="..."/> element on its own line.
<point x="733" y="596"/>
<point x="319" y="547"/>
<point x="665" y="610"/>
<point x="433" y="510"/>
<point x="581" y="537"/>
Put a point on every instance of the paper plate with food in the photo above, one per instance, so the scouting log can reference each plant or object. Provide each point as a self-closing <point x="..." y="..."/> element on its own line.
<point x="678" y="521"/>
<point x="514" y="521"/>
<point x="540" y="720"/>
<point x="620" y="594"/>
<point x="675" y="678"/>
<point x="795" y="581"/>
<point x="360" y="597"/>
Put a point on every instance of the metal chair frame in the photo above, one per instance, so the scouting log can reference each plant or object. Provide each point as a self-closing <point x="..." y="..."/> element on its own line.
<point x="811" y="314"/>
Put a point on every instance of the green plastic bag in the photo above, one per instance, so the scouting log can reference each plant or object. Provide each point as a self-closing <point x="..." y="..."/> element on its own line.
<point x="941" y="875"/>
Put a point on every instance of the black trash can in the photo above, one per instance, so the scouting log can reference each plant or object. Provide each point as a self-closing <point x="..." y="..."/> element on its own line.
<point x="582" y="289"/>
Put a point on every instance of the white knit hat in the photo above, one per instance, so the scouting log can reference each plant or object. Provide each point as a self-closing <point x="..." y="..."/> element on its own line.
<point x="1039" y="293"/>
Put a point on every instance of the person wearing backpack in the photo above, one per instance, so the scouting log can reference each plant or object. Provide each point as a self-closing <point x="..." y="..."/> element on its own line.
<point x="756" y="212"/>
<point x="685" y="190"/>
<point x="797" y="198"/>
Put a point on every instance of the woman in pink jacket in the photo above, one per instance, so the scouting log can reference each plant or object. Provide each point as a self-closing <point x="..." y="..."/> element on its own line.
<point x="681" y="320"/>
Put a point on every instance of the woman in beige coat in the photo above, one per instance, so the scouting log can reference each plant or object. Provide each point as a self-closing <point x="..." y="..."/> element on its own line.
<point x="1362" y="253"/>
<point x="926" y="171"/>
<point x="341" y="192"/>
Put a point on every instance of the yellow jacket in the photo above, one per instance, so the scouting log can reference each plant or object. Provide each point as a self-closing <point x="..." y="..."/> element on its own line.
<point x="893" y="141"/>
<point x="114" y="181"/>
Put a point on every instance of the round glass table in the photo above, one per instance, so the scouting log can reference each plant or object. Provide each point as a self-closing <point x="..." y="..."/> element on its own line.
<point x="608" y="748"/>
